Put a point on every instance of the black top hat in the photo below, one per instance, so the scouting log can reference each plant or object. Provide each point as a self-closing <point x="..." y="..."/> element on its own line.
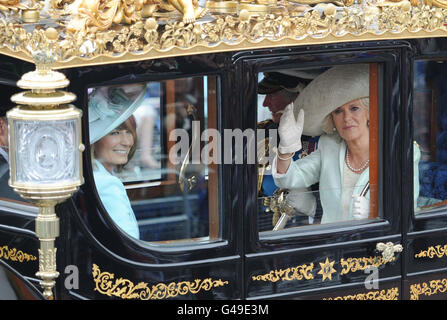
<point x="275" y="81"/>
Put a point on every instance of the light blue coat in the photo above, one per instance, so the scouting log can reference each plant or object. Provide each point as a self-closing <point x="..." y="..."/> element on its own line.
<point x="114" y="198"/>
<point x="325" y="165"/>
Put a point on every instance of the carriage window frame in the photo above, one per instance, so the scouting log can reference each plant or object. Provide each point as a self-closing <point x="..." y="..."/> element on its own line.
<point x="211" y="83"/>
<point x="379" y="220"/>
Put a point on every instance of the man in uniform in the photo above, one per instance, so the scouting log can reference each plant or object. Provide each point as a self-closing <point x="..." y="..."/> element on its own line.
<point x="280" y="90"/>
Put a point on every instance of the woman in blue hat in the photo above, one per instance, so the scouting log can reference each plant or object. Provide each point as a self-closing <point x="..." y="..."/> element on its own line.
<point x="113" y="139"/>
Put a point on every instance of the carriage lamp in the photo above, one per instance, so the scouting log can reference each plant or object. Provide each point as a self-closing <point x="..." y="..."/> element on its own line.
<point x="45" y="154"/>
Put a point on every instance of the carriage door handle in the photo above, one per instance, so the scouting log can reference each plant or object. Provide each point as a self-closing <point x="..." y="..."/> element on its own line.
<point x="388" y="249"/>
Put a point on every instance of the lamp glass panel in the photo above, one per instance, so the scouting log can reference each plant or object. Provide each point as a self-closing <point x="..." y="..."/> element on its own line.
<point x="46" y="151"/>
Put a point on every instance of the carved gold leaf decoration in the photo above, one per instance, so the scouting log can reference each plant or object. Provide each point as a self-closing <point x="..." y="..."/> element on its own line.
<point x="326" y="269"/>
<point x="293" y="273"/>
<point x="428" y="289"/>
<point x="15" y="255"/>
<point x="125" y="289"/>
<point x="145" y="39"/>
<point x="388" y="294"/>
<point x="438" y="251"/>
<point x="359" y="264"/>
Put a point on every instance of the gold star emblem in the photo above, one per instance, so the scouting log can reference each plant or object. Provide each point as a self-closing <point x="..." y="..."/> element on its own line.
<point x="327" y="269"/>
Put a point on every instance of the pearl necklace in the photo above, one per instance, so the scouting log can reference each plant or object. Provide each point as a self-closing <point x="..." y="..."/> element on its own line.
<point x="349" y="164"/>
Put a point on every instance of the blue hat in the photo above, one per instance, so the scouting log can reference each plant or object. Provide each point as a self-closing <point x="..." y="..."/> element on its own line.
<point x="108" y="109"/>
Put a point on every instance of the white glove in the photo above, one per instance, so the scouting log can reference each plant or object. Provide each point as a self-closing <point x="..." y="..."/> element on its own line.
<point x="360" y="208"/>
<point x="303" y="201"/>
<point x="290" y="130"/>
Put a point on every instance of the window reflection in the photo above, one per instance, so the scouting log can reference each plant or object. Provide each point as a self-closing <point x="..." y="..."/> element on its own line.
<point x="168" y="192"/>
<point x="430" y="132"/>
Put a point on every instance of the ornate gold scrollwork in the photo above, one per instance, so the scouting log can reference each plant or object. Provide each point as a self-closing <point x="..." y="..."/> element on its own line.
<point x="146" y="39"/>
<point x="15" y="255"/>
<point x="326" y="269"/>
<point x="431" y="252"/>
<point x="293" y="273"/>
<point x="356" y="264"/>
<point x="386" y="294"/>
<point x="108" y="285"/>
<point x="428" y="289"/>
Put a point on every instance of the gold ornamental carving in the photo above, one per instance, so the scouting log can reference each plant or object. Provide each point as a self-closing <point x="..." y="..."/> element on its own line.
<point x="386" y="294"/>
<point x="432" y="252"/>
<point x="15" y="255"/>
<point x="428" y="289"/>
<point x="326" y="270"/>
<point x="141" y="38"/>
<point x="293" y="273"/>
<point x="359" y="264"/>
<point x="107" y="284"/>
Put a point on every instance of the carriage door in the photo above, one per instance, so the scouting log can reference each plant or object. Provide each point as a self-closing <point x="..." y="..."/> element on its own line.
<point x="303" y="243"/>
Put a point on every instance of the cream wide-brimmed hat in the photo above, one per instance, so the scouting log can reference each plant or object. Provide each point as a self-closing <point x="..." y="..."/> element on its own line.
<point x="110" y="107"/>
<point x="328" y="91"/>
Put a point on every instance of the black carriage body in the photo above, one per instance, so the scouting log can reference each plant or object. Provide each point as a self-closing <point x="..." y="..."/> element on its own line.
<point x="308" y="263"/>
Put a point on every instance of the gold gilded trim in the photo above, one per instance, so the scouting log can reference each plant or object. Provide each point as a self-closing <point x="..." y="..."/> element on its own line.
<point x="356" y="264"/>
<point x="293" y="273"/>
<point x="148" y="39"/>
<point x="327" y="269"/>
<point x="428" y="289"/>
<point x="15" y="255"/>
<point x="305" y="272"/>
<point x="106" y="284"/>
<point x="436" y="251"/>
<point x="386" y="294"/>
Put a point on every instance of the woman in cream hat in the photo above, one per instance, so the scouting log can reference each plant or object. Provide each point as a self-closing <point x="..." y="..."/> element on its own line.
<point x="113" y="139"/>
<point x="336" y="105"/>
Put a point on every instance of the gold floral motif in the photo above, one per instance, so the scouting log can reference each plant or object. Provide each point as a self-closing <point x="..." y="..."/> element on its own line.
<point x="438" y="251"/>
<point x="15" y="255"/>
<point x="326" y="269"/>
<point x="388" y="294"/>
<point x="123" y="288"/>
<point x="428" y="289"/>
<point x="357" y="264"/>
<point x="145" y="39"/>
<point x="294" y="273"/>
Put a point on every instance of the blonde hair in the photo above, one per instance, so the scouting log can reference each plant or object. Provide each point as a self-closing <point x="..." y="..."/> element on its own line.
<point x="327" y="124"/>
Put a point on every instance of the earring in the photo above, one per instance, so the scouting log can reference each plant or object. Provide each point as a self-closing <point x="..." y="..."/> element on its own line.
<point x="334" y="129"/>
<point x="367" y="123"/>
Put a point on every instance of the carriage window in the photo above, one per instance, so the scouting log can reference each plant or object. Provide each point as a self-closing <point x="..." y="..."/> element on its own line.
<point x="152" y="166"/>
<point x="430" y="134"/>
<point x="331" y="176"/>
